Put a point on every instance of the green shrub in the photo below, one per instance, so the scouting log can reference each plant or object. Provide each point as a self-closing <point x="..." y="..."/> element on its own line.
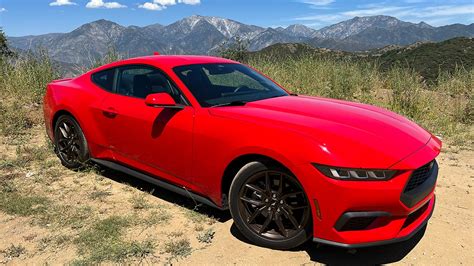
<point x="23" y="82"/>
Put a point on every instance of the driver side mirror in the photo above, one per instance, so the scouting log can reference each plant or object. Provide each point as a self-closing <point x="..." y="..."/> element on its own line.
<point x="163" y="100"/>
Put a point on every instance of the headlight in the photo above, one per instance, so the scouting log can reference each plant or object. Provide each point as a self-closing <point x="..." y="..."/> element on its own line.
<point x="355" y="174"/>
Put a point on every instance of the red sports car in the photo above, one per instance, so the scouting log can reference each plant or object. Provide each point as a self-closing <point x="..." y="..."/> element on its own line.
<point x="288" y="167"/>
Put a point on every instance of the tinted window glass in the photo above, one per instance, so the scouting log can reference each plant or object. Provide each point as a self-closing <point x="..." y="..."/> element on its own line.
<point x="139" y="81"/>
<point x="217" y="84"/>
<point x="104" y="79"/>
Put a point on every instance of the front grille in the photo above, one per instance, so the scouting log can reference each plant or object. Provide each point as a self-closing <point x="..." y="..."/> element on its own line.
<point x="420" y="184"/>
<point x="357" y="223"/>
<point x="419" y="176"/>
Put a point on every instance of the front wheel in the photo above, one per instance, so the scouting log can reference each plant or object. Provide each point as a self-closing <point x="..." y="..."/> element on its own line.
<point x="270" y="207"/>
<point x="70" y="142"/>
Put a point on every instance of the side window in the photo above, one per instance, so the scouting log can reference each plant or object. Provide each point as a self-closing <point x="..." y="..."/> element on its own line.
<point x="104" y="79"/>
<point x="139" y="81"/>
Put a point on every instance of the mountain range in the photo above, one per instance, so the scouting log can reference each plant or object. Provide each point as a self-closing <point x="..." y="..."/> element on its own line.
<point x="204" y="35"/>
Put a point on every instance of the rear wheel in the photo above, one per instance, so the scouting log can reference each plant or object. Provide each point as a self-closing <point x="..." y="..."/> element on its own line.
<point x="270" y="207"/>
<point x="70" y="142"/>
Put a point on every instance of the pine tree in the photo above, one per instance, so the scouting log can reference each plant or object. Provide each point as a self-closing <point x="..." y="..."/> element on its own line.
<point x="4" y="49"/>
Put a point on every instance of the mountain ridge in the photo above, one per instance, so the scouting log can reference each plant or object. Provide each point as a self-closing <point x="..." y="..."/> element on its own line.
<point x="205" y="34"/>
<point x="428" y="59"/>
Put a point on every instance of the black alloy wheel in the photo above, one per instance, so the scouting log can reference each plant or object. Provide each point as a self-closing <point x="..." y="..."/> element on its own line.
<point x="70" y="142"/>
<point x="270" y="206"/>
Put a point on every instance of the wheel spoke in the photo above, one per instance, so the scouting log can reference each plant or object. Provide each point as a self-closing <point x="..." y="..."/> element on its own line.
<point x="279" y="223"/>
<point x="63" y="132"/>
<point x="292" y="194"/>
<point x="291" y="218"/>
<point x="252" y="201"/>
<point x="280" y="184"/>
<point x="66" y="127"/>
<point x="267" y="182"/>
<point x="297" y="207"/>
<point x="74" y="151"/>
<point x="64" y="154"/>
<point x="266" y="223"/>
<point x="62" y="144"/>
<point x="255" y="188"/>
<point x="255" y="214"/>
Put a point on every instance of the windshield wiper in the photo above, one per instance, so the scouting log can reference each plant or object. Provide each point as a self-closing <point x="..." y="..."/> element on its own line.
<point x="233" y="103"/>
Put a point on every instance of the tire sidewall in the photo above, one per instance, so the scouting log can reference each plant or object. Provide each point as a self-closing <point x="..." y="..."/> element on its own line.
<point x="84" y="148"/>
<point x="240" y="179"/>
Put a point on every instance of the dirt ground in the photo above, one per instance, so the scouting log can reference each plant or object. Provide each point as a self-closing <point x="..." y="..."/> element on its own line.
<point x="56" y="228"/>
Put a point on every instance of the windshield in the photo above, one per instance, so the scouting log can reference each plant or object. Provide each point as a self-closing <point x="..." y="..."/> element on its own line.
<point x="220" y="84"/>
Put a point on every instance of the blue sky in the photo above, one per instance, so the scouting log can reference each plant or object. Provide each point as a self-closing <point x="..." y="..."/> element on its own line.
<point x="25" y="17"/>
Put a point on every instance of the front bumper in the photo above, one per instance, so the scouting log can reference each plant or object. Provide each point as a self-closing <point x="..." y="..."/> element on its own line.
<point x="395" y="219"/>
<point x="407" y="236"/>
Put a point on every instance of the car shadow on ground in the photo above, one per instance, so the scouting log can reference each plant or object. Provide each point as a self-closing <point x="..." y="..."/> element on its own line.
<point x="330" y="255"/>
<point x="317" y="252"/>
<point x="186" y="202"/>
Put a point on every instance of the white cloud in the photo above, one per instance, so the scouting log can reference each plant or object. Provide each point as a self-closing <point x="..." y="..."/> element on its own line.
<point x="102" y="4"/>
<point x="322" y="18"/>
<point x="162" y="4"/>
<point x="2" y="9"/>
<point x="62" y="3"/>
<point x="190" y="2"/>
<point x="388" y="10"/>
<point x="165" y="2"/>
<point x="318" y="2"/>
<point x="151" y="6"/>
<point x="438" y="11"/>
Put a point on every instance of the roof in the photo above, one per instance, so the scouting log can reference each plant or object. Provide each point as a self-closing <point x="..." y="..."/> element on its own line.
<point x="170" y="61"/>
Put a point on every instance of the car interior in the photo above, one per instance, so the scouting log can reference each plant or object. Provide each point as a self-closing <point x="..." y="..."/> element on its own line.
<point x="141" y="82"/>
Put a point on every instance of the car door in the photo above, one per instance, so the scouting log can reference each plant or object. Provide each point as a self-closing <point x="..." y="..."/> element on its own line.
<point x="148" y="137"/>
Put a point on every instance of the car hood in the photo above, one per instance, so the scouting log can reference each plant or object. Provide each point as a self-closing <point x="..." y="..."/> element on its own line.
<point x="351" y="134"/>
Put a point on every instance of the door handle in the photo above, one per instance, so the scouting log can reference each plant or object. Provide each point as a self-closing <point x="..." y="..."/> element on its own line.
<point x="110" y="112"/>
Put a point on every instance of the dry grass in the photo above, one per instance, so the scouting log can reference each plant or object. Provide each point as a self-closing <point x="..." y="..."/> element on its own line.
<point x="445" y="108"/>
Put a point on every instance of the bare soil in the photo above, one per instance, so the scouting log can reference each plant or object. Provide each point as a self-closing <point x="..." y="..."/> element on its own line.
<point x="78" y="201"/>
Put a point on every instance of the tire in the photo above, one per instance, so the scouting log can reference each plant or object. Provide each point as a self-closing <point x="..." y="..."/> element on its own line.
<point x="70" y="144"/>
<point x="256" y="210"/>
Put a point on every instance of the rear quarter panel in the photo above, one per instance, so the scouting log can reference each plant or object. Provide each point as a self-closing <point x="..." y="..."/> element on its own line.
<point x="82" y="100"/>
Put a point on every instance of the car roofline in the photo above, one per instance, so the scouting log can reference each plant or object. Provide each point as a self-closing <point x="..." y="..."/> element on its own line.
<point x="166" y="61"/>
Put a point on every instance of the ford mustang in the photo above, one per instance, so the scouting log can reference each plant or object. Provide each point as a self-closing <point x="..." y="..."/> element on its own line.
<point x="288" y="167"/>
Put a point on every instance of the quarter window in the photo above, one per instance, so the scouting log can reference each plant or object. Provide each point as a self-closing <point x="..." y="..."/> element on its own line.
<point x="104" y="79"/>
<point x="139" y="81"/>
